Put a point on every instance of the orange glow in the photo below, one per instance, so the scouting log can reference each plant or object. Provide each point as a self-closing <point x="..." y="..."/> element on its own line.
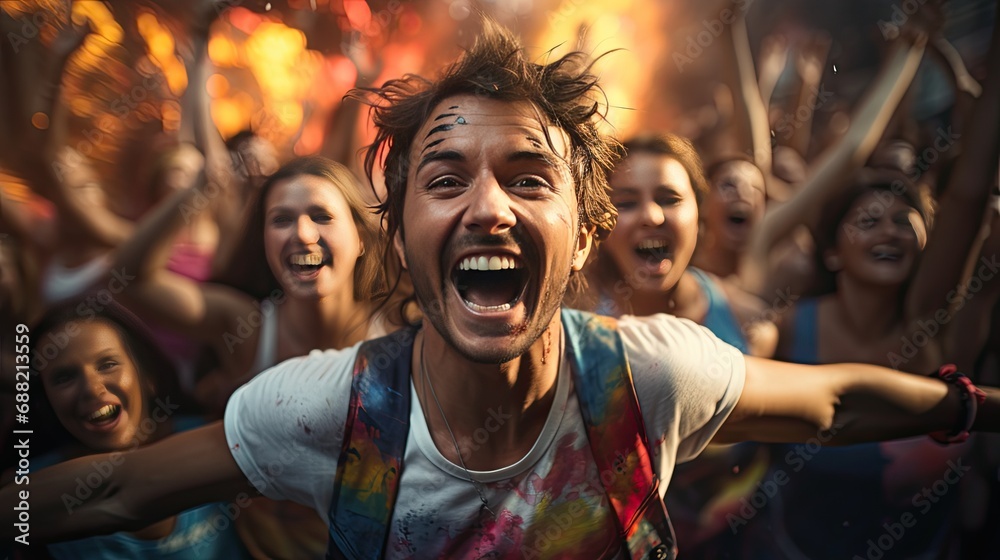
<point x="611" y="25"/>
<point x="358" y="13"/>
<point x="228" y="116"/>
<point x="222" y="51"/>
<point x="170" y="112"/>
<point x="160" y="44"/>
<point x="244" y="20"/>
<point x="217" y="85"/>
<point x="40" y="121"/>
<point x="311" y="139"/>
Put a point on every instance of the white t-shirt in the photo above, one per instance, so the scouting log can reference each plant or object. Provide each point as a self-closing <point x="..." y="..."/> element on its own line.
<point x="286" y="427"/>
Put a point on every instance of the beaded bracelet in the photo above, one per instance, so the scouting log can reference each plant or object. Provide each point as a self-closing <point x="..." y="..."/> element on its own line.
<point x="972" y="397"/>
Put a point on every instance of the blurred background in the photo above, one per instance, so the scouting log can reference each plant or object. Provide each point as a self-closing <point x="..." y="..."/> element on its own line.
<point x="281" y="68"/>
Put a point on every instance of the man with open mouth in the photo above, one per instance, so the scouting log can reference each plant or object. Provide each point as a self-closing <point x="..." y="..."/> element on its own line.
<point x="504" y="426"/>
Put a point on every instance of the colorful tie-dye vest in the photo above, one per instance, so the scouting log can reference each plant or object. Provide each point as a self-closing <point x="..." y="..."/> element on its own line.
<point x="377" y="426"/>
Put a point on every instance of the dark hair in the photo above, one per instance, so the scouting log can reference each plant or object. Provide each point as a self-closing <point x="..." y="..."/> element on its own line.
<point x="151" y="362"/>
<point x="673" y="146"/>
<point x="565" y="92"/>
<point x="833" y="214"/>
<point x="248" y="270"/>
<point x="719" y="163"/>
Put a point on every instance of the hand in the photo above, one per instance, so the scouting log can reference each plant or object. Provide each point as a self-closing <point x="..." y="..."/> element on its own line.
<point x="773" y="55"/>
<point x="811" y="59"/>
<point x="181" y="168"/>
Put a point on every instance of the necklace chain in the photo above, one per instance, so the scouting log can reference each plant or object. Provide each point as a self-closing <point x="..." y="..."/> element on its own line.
<point x="475" y="483"/>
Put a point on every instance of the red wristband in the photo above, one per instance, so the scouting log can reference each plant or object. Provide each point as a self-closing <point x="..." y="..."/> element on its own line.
<point x="972" y="397"/>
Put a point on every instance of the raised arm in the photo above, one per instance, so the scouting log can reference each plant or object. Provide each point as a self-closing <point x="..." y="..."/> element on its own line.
<point x="809" y="63"/>
<point x="140" y="487"/>
<point x="752" y="125"/>
<point x="836" y="165"/>
<point x="969" y="331"/>
<point x="59" y="173"/>
<point x="202" y="310"/>
<point x="198" y="128"/>
<point x="773" y="59"/>
<point x="965" y="83"/>
<point x="960" y="212"/>
<point x="846" y="403"/>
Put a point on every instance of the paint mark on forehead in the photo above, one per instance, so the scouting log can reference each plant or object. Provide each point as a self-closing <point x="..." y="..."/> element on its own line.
<point x="459" y="120"/>
<point x="452" y="117"/>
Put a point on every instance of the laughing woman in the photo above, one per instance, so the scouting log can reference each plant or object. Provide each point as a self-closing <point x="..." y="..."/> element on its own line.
<point x="890" y="300"/>
<point x="110" y="388"/>
<point x="643" y="265"/>
<point x="307" y="275"/>
<point x="642" y="269"/>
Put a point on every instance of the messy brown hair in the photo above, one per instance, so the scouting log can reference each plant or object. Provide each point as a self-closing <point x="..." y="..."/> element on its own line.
<point x="565" y="93"/>
<point x="675" y="147"/>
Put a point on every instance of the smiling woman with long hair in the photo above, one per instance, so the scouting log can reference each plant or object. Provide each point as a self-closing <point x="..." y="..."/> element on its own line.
<point x="306" y="275"/>
<point x="109" y="388"/>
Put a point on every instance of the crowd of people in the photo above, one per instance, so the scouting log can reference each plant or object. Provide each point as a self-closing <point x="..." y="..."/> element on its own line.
<point x="555" y="331"/>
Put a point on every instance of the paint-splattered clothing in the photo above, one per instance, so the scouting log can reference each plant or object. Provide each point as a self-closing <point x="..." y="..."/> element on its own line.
<point x="285" y="430"/>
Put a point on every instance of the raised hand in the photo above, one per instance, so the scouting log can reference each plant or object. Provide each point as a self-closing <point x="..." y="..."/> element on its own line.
<point x="811" y="59"/>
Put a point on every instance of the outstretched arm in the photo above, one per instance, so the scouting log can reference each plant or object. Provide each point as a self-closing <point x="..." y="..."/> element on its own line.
<point x="844" y="404"/>
<point x="836" y="164"/>
<point x="141" y="487"/>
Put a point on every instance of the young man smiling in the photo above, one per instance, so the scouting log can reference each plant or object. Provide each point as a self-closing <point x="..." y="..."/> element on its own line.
<point x="505" y="426"/>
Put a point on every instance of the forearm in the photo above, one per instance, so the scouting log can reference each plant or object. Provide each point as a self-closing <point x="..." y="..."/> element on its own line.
<point x="207" y="137"/>
<point x="750" y="105"/>
<point x="148" y="250"/>
<point x="64" y="503"/>
<point x="953" y="242"/>
<point x="801" y="132"/>
<point x="877" y="404"/>
<point x="118" y="491"/>
<point x="963" y="80"/>
<point x="845" y="404"/>
<point x="93" y="221"/>
<point x="836" y="165"/>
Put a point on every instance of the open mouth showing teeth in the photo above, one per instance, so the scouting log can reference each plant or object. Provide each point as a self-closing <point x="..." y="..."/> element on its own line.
<point x="490" y="283"/>
<point x="107" y="413"/>
<point x="306" y="264"/>
<point x="653" y="250"/>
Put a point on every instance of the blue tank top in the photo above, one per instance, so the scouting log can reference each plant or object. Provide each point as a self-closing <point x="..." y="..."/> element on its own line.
<point x="857" y="501"/>
<point x="720" y="318"/>
<point x="805" y="337"/>
<point x="205" y="532"/>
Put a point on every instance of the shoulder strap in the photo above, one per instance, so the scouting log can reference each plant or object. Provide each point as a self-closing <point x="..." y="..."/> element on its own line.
<point x="617" y="434"/>
<point x="371" y="458"/>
